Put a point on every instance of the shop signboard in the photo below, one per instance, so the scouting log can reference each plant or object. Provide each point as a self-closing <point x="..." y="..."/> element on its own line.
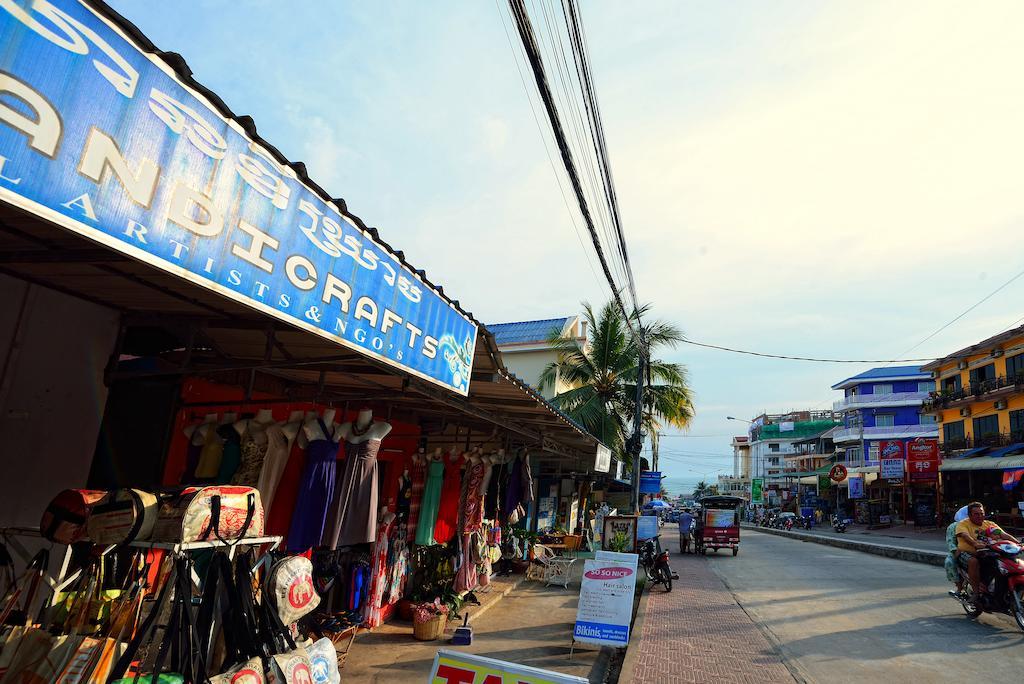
<point x="619" y="533"/>
<point x="647" y="527"/>
<point x="545" y="512"/>
<point x="456" y="667"/>
<point x="923" y="460"/>
<point x="824" y="482"/>
<point x="757" y="490"/>
<point x="603" y="459"/>
<point x="605" y="607"/>
<point x="104" y="140"/>
<point x="650" y="482"/>
<point x="892" y="468"/>
<point x="856" y="485"/>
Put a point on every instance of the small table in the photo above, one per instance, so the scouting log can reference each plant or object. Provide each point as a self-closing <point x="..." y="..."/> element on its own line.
<point x="558" y="570"/>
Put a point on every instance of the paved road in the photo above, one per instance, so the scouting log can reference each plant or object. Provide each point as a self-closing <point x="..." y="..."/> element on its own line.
<point x="845" y="616"/>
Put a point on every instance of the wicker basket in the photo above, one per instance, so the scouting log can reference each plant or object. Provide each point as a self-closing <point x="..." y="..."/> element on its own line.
<point x="431" y="629"/>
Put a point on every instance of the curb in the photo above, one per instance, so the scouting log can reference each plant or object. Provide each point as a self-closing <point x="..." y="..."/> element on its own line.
<point x="498" y="596"/>
<point x="897" y="552"/>
<point x="633" y="647"/>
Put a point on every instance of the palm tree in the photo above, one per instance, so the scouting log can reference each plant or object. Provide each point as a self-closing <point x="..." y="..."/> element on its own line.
<point x="602" y="378"/>
<point x="702" y="489"/>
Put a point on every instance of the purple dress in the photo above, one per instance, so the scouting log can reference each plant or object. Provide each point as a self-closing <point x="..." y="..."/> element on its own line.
<point x="315" y="492"/>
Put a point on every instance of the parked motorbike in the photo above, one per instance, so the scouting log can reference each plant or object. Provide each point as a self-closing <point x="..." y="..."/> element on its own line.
<point x="807" y="520"/>
<point x="838" y="524"/>
<point x="788" y="524"/>
<point x="655" y="565"/>
<point x="1004" y="591"/>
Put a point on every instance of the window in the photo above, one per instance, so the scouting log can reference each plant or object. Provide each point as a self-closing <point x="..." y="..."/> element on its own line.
<point x="951" y="384"/>
<point x="1017" y="425"/>
<point x="1015" y="366"/>
<point x="983" y="373"/>
<point x="986" y="426"/>
<point x="953" y="432"/>
<point x="924" y="386"/>
<point x="885" y="419"/>
<point x="883" y="389"/>
<point x="927" y="419"/>
<point x="773" y="446"/>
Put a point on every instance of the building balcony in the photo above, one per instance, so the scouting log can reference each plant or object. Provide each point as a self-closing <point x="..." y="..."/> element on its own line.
<point x="995" y="440"/>
<point x="858" y="401"/>
<point x="854" y="434"/>
<point x="986" y="389"/>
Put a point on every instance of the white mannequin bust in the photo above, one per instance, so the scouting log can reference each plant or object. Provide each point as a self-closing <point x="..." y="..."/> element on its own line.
<point x="263" y="418"/>
<point x="312" y="431"/>
<point x="363" y="428"/>
<point x="197" y="431"/>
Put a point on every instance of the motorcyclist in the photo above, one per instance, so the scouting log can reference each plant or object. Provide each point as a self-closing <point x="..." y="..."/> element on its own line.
<point x="973" y="534"/>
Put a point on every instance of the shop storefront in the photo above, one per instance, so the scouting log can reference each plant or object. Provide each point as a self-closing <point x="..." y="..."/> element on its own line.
<point x="993" y="480"/>
<point x="186" y="308"/>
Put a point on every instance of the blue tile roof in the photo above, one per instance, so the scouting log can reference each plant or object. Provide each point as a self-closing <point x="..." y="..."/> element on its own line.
<point x="524" y="332"/>
<point x="911" y="372"/>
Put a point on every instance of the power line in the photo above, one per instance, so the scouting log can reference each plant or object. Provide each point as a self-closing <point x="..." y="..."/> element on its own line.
<point x="529" y="41"/>
<point x="800" y="358"/>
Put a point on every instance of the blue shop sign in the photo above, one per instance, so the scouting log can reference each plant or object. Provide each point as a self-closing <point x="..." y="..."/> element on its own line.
<point x="650" y="482"/>
<point x="104" y="140"/>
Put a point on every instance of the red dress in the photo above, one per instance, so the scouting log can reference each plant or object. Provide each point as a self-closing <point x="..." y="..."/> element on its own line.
<point x="448" y="512"/>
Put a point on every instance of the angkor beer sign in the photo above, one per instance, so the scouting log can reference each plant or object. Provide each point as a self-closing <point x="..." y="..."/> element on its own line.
<point x="104" y="140"/>
<point x="923" y="460"/>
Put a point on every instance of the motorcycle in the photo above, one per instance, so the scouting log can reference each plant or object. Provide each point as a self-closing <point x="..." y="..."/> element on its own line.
<point x="788" y="524"/>
<point x="807" y="522"/>
<point x="838" y="524"/>
<point x="655" y="565"/>
<point x="1004" y="591"/>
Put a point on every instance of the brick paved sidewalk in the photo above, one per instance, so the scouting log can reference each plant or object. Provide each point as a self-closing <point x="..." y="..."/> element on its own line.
<point x="697" y="633"/>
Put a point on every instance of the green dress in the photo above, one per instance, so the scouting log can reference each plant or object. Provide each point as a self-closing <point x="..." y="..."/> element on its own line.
<point x="430" y="503"/>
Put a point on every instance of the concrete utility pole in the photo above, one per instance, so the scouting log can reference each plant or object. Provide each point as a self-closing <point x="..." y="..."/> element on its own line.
<point x="636" y="441"/>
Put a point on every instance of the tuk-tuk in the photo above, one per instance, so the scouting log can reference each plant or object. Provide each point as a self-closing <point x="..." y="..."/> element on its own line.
<point x="718" y="525"/>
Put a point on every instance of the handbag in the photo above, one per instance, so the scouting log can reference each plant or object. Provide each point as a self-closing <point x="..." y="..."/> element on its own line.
<point x="65" y="517"/>
<point x="178" y="658"/>
<point x="25" y="587"/>
<point x="205" y="513"/>
<point x="323" y="660"/>
<point x="291" y="587"/>
<point x="122" y="516"/>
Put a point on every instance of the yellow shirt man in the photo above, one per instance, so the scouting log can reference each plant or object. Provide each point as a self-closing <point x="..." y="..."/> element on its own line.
<point x="987" y="528"/>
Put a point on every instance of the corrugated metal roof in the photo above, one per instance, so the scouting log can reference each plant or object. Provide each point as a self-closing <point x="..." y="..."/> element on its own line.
<point x="982" y="464"/>
<point x="524" y="332"/>
<point x="885" y="372"/>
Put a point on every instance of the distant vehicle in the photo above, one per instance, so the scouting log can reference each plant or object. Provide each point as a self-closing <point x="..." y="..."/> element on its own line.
<point x="718" y="524"/>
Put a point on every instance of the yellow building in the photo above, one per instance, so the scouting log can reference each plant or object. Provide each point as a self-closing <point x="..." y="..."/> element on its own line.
<point x="979" y="403"/>
<point x="979" y="398"/>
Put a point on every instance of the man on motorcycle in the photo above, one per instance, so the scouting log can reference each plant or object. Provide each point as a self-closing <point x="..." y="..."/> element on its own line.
<point x="972" y="535"/>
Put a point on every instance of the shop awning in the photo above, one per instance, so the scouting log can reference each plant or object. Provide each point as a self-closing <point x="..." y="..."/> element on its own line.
<point x="1006" y="451"/>
<point x="972" y="452"/>
<point x="232" y="263"/>
<point x="958" y="464"/>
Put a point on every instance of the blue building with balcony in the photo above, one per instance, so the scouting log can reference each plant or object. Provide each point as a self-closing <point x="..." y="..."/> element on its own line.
<point x="882" y="404"/>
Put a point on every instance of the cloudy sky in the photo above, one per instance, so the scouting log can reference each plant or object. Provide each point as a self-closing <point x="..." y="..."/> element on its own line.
<point x="821" y="179"/>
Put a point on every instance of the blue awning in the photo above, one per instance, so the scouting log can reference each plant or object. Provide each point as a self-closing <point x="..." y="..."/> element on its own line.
<point x="972" y="452"/>
<point x="1006" y="451"/>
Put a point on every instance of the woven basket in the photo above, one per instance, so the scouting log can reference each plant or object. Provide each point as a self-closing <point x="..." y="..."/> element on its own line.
<point x="431" y="629"/>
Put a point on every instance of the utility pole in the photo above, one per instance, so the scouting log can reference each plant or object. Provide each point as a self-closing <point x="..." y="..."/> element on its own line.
<point x="636" y="441"/>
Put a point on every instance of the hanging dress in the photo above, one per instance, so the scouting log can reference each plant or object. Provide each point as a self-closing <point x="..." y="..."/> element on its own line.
<point x="418" y="479"/>
<point x="254" y="451"/>
<point x="354" y="507"/>
<point x="429" y="503"/>
<point x="372" y="615"/>
<point x="280" y="517"/>
<point x="275" y="459"/>
<point x="315" y="490"/>
<point x="232" y="454"/>
<point x="448" y="511"/>
<point x="210" y="454"/>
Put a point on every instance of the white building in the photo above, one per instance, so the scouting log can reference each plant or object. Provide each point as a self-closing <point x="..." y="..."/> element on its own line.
<point x="526" y="350"/>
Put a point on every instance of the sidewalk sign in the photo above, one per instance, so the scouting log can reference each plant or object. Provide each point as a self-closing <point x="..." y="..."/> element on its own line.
<point x="647" y="527"/>
<point x="613" y="556"/>
<point x="455" y="667"/>
<point x="856" y="488"/>
<point x="605" y="607"/>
